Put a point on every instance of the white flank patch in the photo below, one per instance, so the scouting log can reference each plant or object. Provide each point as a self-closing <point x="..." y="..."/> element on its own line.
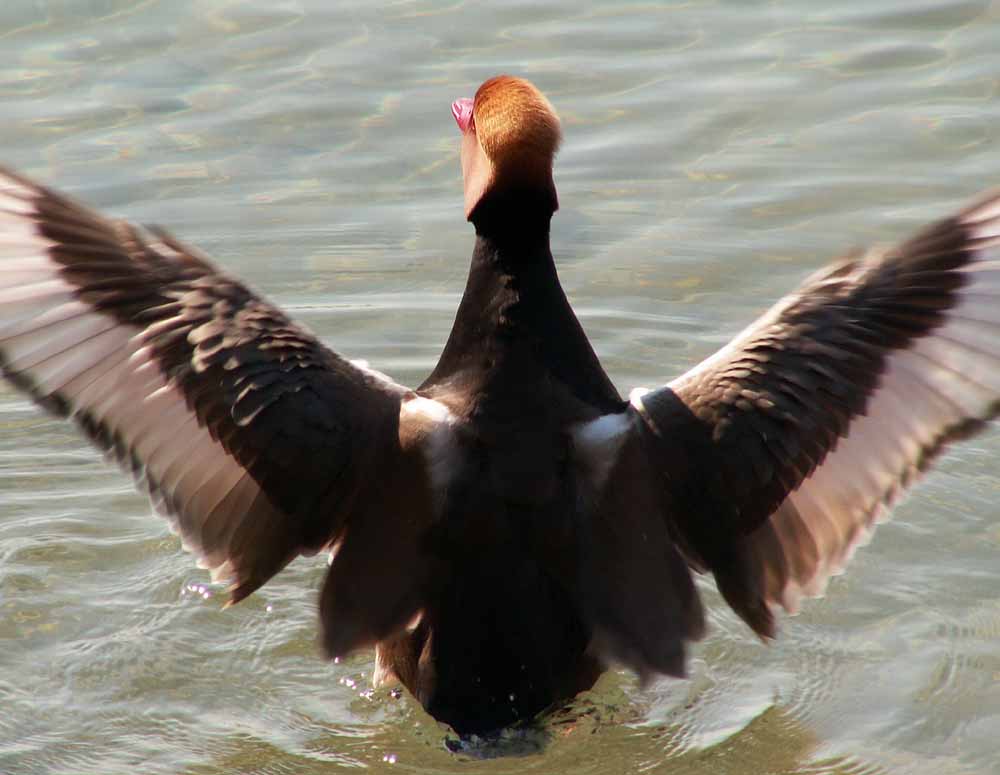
<point x="440" y="447"/>
<point x="428" y="408"/>
<point x="597" y="444"/>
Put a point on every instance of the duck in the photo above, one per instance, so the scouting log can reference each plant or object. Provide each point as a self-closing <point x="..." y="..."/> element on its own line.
<point x="508" y="530"/>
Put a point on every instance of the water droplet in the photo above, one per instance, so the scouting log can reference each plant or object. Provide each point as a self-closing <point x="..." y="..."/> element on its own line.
<point x="389" y="758"/>
<point x="269" y="608"/>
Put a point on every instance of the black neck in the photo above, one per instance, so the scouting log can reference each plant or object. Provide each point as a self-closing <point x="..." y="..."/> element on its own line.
<point x="516" y="213"/>
<point x="514" y="316"/>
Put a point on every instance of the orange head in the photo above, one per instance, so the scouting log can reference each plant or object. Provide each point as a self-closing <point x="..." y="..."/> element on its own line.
<point x="510" y="134"/>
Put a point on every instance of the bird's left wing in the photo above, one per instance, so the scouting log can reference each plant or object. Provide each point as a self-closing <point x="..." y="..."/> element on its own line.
<point x="255" y="440"/>
<point x="775" y="456"/>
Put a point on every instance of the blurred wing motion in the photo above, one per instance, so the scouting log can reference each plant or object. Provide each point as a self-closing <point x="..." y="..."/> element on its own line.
<point x="256" y="440"/>
<point x="776" y="455"/>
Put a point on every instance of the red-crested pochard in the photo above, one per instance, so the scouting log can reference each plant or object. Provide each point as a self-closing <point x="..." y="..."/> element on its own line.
<point x="512" y="526"/>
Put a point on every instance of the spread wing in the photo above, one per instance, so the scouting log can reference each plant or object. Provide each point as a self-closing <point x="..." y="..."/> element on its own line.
<point x="253" y="438"/>
<point x="776" y="455"/>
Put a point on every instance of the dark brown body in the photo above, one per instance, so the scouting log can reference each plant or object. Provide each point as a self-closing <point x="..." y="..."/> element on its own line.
<point x="501" y="633"/>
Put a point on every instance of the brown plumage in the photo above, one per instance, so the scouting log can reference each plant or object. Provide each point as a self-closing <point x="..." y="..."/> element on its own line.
<point x="509" y="528"/>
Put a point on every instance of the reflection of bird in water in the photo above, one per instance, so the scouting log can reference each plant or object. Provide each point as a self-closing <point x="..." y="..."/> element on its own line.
<point x="512" y="526"/>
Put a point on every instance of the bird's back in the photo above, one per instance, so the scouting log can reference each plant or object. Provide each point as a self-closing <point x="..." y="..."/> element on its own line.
<point x="506" y="639"/>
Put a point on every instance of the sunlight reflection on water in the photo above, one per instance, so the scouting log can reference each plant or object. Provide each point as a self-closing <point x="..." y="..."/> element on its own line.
<point x="714" y="154"/>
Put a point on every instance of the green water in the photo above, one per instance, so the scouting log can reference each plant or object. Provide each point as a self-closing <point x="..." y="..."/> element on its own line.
<point x="714" y="154"/>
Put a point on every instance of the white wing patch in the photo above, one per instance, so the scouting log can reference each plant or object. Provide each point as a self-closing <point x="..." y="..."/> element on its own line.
<point x="101" y="373"/>
<point x="946" y="379"/>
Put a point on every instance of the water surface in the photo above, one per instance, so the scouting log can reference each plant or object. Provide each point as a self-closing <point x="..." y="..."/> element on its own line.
<point x="715" y="153"/>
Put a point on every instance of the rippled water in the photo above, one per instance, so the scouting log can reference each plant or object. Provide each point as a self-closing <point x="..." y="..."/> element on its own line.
<point x="714" y="154"/>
